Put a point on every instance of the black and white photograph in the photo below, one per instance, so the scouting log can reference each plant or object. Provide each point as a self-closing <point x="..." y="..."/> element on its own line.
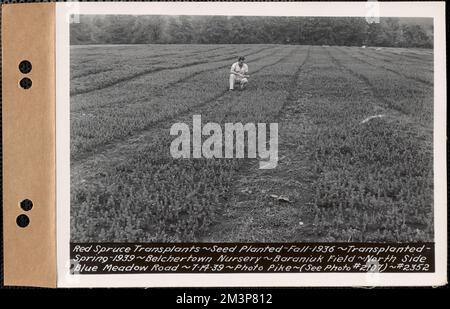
<point x="261" y="129"/>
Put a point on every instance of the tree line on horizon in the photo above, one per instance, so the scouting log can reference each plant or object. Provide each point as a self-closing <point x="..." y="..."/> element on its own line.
<point x="155" y="29"/>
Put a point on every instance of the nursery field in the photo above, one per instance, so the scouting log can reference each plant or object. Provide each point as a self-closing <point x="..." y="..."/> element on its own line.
<point x="355" y="144"/>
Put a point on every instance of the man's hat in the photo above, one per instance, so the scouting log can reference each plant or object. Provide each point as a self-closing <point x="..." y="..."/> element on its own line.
<point x="241" y="58"/>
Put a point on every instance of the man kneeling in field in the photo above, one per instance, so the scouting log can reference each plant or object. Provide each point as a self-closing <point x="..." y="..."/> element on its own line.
<point x="239" y="73"/>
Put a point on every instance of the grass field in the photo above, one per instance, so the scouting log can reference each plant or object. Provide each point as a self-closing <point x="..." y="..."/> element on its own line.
<point x="355" y="144"/>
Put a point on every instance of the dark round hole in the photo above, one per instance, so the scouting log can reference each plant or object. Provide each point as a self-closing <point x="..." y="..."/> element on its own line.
<point x="26" y="83"/>
<point x="25" y="66"/>
<point x="23" y="220"/>
<point x="26" y="204"/>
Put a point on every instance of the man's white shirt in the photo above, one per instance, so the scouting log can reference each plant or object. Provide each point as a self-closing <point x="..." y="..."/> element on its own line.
<point x="237" y="69"/>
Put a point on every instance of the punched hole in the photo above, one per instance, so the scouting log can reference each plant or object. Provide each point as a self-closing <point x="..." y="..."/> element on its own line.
<point x="26" y="83"/>
<point x="26" y="204"/>
<point x="23" y="221"/>
<point x="25" y="66"/>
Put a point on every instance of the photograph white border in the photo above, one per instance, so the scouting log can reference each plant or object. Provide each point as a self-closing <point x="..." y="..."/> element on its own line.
<point x="434" y="10"/>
